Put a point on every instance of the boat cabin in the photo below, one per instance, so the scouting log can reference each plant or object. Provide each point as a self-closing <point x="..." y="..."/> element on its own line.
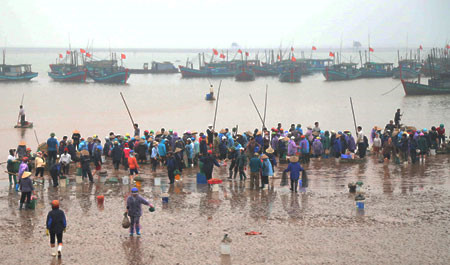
<point x="15" y="70"/>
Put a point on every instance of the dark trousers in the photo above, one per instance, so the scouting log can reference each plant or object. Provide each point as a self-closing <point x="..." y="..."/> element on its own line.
<point x="264" y="180"/>
<point x="51" y="158"/>
<point x="232" y="167"/>
<point x="413" y="155"/>
<point x="39" y="171"/>
<point x="171" y="176"/>
<point x="134" y="223"/>
<point x="55" y="180"/>
<point x="116" y="164"/>
<point x="362" y="150"/>
<point x="154" y="164"/>
<point x="26" y="195"/>
<point x="208" y="174"/>
<point x="85" y="172"/>
<point x="22" y="120"/>
<point x="65" y="168"/>
<point x="59" y="237"/>
<point x="242" y="175"/>
<point x="294" y="184"/>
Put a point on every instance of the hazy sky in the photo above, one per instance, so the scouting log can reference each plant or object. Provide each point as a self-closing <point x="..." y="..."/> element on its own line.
<point x="214" y="23"/>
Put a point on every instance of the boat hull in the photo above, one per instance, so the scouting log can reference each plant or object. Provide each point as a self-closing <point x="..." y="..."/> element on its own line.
<point x="290" y="77"/>
<point x="114" y="78"/>
<point x="245" y="76"/>
<point x="18" y="78"/>
<point x="376" y="74"/>
<point x="265" y="71"/>
<point x="421" y="89"/>
<point x="189" y="72"/>
<point x="27" y="125"/>
<point x="72" y="77"/>
<point x="331" y="75"/>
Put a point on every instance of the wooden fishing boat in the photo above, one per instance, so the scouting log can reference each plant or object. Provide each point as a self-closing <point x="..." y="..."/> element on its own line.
<point x="245" y="74"/>
<point x="266" y="70"/>
<point x="187" y="72"/>
<point x="376" y="70"/>
<point x="343" y="71"/>
<point x="318" y="65"/>
<point x="16" y="73"/>
<point x="107" y="71"/>
<point x="77" y="76"/>
<point x="27" y="125"/>
<point x="157" y="68"/>
<point x="290" y="76"/>
<point x="436" y="86"/>
<point x="407" y="69"/>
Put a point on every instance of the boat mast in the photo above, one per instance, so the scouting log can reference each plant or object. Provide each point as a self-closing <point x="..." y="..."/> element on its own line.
<point x="368" y="36"/>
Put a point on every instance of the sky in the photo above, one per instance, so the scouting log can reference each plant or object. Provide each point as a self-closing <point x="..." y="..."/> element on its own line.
<point x="217" y="24"/>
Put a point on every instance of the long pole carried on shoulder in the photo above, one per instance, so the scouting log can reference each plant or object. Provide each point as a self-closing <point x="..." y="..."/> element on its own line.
<point x="217" y="105"/>
<point x="257" y="110"/>
<point x="131" y="118"/>
<point x="353" y="112"/>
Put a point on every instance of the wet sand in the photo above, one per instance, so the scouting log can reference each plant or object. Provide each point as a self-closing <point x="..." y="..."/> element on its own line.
<point x="406" y="220"/>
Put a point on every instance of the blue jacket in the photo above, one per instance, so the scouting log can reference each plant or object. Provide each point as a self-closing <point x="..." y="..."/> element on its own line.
<point x="304" y="145"/>
<point x="295" y="169"/>
<point x="134" y="205"/>
<point x="26" y="185"/>
<point x="52" y="144"/>
<point x="267" y="169"/>
<point x="82" y="146"/>
<point x="189" y="151"/>
<point x="56" y="221"/>
<point x="162" y="148"/>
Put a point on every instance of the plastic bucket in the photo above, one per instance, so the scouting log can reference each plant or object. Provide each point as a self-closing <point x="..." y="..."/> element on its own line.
<point x="165" y="198"/>
<point x="225" y="249"/>
<point x="157" y="181"/>
<point x="201" y="179"/>
<point x="102" y="179"/>
<point x="433" y="152"/>
<point x="103" y="159"/>
<point x="215" y="187"/>
<point x="100" y="199"/>
<point x="177" y="177"/>
<point x="63" y="182"/>
<point x="32" y="204"/>
<point x="125" y="180"/>
<point x="79" y="172"/>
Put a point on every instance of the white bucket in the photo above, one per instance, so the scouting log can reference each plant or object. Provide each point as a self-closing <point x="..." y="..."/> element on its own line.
<point x="215" y="187"/>
<point x="125" y="180"/>
<point x="103" y="159"/>
<point x="433" y="152"/>
<point x="157" y="181"/>
<point x="225" y="249"/>
<point x="102" y="179"/>
<point x="62" y="182"/>
<point x="79" y="179"/>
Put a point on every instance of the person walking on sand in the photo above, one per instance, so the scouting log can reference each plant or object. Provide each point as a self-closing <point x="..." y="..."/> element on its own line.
<point x="134" y="210"/>
<point x="10" y="167"/>
<point x="56" y="224"/>
<point x="26" y="187"/>
<point x="133" y="165"/>
<point x="255" y="169"/>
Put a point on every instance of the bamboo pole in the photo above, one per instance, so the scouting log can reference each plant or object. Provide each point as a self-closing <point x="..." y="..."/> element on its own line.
<point x="257" y="110"/>
<point x="132" y="121"/>
<point x="353" y="112"/>
<point x="217" y="105"/>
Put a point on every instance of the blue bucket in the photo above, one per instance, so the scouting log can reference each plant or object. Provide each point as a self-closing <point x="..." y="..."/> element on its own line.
<point x="17" y="187"/>
<point x="165" y="199"/>
<point x="300" y="183"/>
<point x="360" y="204"/>
<point x="346" y="156"/>
<point x="201" y="179"/>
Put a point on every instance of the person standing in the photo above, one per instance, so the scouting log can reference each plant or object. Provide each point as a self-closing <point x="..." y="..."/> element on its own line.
<point x="22" y="115"/>
<point x="362" y="145"/>
<point x="134" y="210"/>
<point x="441" y="135"/>
<point x="65" y="160"/>
<point x="422" y="146"/>
<point x="397" y="118"/>
<point x="116" y="154"/>
<point x="154" y="156"/>
<point x="56" y="224"/>
<point x="52" y="144"/>
<point x="209" y="161"/>
<point x="23" y="167"/>
<point x="76" y="136"/>
<point x="294" y="168"/>
<point x="255" y="169"/>
<point x="242" y="163"/>
<point x="10" y="167"/>
<point x="85" y="165"/>
<point x="133" y="165"/>
<point x="26" y="187"/>
<point x="55" y="173"/>
<point x="267" y="171"/>
<point x="137" y="131"/>
<point x="39" y="163"/>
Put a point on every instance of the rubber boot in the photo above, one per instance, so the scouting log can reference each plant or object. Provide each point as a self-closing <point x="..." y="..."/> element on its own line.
<point x="60" y="250"/>
<point x="138" y="230"/>
<point x="21" y="205"/>
<point x="231" y="174"/>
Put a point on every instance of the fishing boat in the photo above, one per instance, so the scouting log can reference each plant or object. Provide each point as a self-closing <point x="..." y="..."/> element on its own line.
<point x="68" y="70"/>
<point x="77" y="75"/>
<point x="107" y="71"/>
<point x="15" y="73"/>
<point x="187" y="72"/>
<point x="244" y="74"/>
<point x="157" y="68"/>
<point x="376" y="70"/>
<point x="266" y="70"/>
<point x="407" y="69"/>
<point x="292" y="75"/>
<point x="318" y="65"/>
<point x="436" y="86"/>
<point x="27" y="125"/>
<point x="342" y="71"/>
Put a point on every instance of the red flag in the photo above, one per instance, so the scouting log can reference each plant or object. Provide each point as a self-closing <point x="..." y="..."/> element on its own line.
<point x="448" y="46"/>
<point x="88" y="55"/>
<point x="123" y="56"/>
<point x="60" y="55"/>
<point x="215" y="52"/>
<point x="82" y="51"/>
<point x="331" y="54"/>
<point x="314" y="48"/>
<point x="246" y="54"/>
<point x="420" y="47"/>
<point x="278" y="57"/>
<point x="67" y="52"/>
<point x="371" y="50"/>
<point x="293" y="59"/>
<point x="240" y="51"/>
<point x="222" y="56"/>
<point x="292" y="49"/>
